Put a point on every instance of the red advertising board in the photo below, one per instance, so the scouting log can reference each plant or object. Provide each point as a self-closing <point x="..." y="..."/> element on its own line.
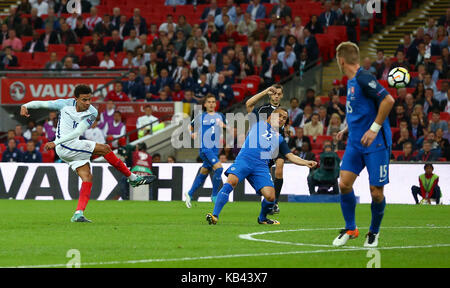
<point x="23" y="90"/>
<point x="161" y="110"/>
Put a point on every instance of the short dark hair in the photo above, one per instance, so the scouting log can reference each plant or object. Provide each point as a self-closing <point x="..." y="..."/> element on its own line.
<point x="82" y="89"/>
<point x="428" y="165"/>
<point x="278" y="86"/>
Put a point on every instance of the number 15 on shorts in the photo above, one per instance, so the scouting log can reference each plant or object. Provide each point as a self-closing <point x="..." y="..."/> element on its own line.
<point x="383" y="173"/>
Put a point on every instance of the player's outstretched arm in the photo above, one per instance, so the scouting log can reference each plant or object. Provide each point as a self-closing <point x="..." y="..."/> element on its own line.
<point x="252" y="101"/>
<point x="299" y="161"/>
<point x="51" y="105"/>
<point x="383" y="111"/>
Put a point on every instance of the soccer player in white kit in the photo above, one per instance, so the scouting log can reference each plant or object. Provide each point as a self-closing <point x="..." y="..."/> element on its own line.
<point x="75" y="117"/>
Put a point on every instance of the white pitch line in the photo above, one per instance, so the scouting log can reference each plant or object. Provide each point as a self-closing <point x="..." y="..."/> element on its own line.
<point x="213" y="257"/>
<point x="231" y="256"/>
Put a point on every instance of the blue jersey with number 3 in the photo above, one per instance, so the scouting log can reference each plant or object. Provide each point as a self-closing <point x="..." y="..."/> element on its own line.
<point x="364" y="95"/>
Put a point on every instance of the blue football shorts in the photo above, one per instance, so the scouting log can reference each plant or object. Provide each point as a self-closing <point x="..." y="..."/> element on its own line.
<point x="377" y="164"/>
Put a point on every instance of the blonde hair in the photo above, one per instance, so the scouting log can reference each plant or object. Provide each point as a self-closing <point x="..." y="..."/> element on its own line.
<point x="349" y="51"/>
<point x="337" y="117"/>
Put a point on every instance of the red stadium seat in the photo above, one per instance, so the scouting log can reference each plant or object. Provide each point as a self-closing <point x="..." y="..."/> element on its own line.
<point x="393" y="92"/>
<point x="322" y="138"/>
<point x="397" y="153"/>
<point x="251" y="84"/>
<point x="22" y="147"/>
<point x="324" y="99"/>
<point x="48" y="156"/>
<point x="444" y="116"/>
<point x="23" y="57"/>
<point x="20" y="139"/>
<point x="57" y="48"/>
<point x="339" y="31"/>
<point x="394" y="130"/>
<point x="340" y="153"/>
<point x="2" y="147"/>
<point x="343" y="100"/>
<point x="384" y="83"/>
<point x="239" y="91"/>
<point x="130" y="124"/>
<point x="26" y="39"/>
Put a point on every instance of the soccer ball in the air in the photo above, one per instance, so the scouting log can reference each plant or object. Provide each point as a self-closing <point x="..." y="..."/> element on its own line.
<point x="398" y="77"/>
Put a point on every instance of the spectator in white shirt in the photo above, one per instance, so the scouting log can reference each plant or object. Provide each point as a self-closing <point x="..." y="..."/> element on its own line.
<point x="72" y="21"/>
<point x="107" y="62"/>
<point x="163" y="26"/>
<point x="145" y="120"/>
<point x="42" y="7"/>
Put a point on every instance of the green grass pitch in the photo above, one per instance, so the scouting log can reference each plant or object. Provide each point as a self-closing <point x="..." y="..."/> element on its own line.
<point x="166" y="234"/>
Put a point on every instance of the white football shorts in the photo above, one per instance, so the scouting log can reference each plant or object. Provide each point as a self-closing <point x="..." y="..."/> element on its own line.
<point x="76" y="153"/>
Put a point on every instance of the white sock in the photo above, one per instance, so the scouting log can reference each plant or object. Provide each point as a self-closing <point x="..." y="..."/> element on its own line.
<point x="78" y="211"/>
<point x="132" y="177"/>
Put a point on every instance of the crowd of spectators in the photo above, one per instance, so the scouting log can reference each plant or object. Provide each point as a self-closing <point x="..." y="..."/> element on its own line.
<point x="179" y="56"/>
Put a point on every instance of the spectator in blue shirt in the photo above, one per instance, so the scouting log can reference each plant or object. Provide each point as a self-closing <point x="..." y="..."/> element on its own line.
<point x="133" y="88"/>
<point x="223" y="92"/>
<point x="227" y="69"/>
<point x="256" y="10"/>
<point x="12" y="154"/>
<point x="189" y="97"/>
<point x="287" y="58"/>
<point x="32" y="155"/>
<point x="201" y="89"/>
<point x="175" y="2"/>
<point x="436" y="122"/>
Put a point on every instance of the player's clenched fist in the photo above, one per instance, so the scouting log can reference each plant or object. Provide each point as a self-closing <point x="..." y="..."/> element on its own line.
<point x="271" y="90"/>
<point x="49" y="146"/>
<point x="24" y="111"/>
<point x="311" y="164"/>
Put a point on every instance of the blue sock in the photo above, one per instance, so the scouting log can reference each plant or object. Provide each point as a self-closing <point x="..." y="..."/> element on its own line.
<point x="266" y="206"/>
<point x="222" y="198"/>
<point x="377" y="215"/>
<point x="217" y="180"/>
<point x="348" y="205"/>
<point x="199" y="180"/>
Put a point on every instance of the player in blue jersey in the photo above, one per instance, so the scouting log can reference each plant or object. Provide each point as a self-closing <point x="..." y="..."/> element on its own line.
<point x="275" y="94"/>
<point x="207" y="128"/>
<point x="369" y="143"/>
<point x="262" y="144"/>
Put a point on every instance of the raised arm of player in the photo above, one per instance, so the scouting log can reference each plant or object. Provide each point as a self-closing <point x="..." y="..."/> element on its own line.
<point x="252" y="101"/>
<point x="50" y="105"/>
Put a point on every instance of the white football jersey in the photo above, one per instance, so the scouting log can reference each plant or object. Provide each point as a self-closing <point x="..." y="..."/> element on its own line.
<point x="69" y="118"/>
